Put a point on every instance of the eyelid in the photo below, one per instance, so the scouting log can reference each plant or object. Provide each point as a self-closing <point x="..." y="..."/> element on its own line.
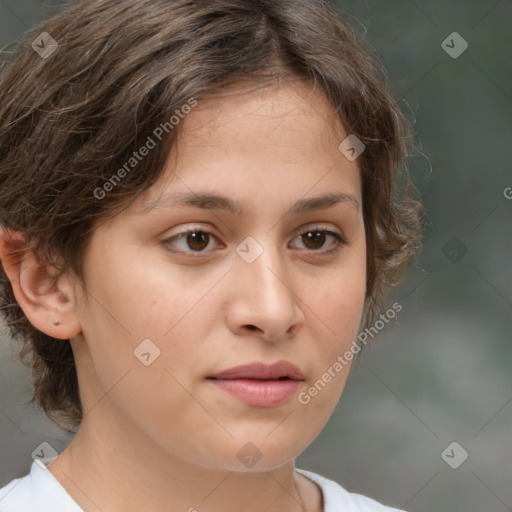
<point x="317" y="227"/>
<point x="339" y="237"/>
<point x="193" y="228"/>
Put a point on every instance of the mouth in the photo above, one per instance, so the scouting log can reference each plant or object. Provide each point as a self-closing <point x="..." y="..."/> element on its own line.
<point x="259" y="384"/>
<point x="280" y="370"/>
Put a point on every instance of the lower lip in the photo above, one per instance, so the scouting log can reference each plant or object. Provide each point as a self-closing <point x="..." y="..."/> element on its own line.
<point x="259" y="393"/>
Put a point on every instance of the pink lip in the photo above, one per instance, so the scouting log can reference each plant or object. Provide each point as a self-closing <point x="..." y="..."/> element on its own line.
<point x="260" y="385"/>
<point x="262" y="371"/>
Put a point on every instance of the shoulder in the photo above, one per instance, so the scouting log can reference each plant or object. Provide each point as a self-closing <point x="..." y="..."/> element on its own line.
<point x="38" y="491"/>
<point x="336" y="498"/>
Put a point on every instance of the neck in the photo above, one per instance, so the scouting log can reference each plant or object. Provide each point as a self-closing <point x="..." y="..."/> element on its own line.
<point x="107" y="469"/>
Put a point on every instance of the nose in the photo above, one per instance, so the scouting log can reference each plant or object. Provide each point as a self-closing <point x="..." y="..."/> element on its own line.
<point x="262" y="296"/>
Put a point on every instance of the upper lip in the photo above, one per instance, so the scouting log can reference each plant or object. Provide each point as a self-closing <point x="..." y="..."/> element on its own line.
<point x="281" y="369"/>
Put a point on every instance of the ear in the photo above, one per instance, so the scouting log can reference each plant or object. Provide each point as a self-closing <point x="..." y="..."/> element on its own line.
<point x="48" y="303"/>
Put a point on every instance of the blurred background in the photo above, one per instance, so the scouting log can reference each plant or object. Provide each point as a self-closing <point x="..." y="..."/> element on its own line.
<point x="425" y="419"/>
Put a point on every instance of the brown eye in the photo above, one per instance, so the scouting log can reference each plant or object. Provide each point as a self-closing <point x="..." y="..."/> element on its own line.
<point x="197" y="240"/>
<point x="194" y="240"/>
<point x="316" y="240"/>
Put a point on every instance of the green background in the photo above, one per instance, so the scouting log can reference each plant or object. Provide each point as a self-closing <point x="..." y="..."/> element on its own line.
<point x="442" y="371"/>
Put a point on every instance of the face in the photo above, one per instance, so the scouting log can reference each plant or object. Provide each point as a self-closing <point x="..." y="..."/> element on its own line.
<point x="238" y="263"/>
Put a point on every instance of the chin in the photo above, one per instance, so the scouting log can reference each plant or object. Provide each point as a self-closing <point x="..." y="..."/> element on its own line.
<point x="247" y="454"/>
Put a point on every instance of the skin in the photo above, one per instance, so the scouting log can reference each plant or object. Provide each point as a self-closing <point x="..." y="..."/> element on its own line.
<point x="163" y="437"/>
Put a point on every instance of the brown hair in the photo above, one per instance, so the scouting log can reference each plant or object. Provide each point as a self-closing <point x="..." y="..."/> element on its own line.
<point x="122" y="68"/>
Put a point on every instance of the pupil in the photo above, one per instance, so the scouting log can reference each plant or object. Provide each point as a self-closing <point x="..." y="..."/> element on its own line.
<point x="198" y="240"/>
<point x="315" y="237"/>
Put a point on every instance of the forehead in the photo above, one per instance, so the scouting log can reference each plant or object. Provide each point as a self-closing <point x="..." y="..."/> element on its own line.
<point x="246" y="141"/>
<point x="241" y="111"/>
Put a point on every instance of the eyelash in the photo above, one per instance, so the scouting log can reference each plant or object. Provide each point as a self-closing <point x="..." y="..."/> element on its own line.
<point x="340" y="241"/>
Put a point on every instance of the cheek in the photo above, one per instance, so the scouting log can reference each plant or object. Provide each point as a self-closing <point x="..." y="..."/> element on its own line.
<point x="336" y="308"/>
<point x="124" y="308"/>
<point x="334" y="325"/>
<point x="139" y="300"/>
<point x="338" y="301"/>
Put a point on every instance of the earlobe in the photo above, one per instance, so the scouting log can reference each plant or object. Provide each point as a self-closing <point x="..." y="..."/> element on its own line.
<point x="48" y="303"/>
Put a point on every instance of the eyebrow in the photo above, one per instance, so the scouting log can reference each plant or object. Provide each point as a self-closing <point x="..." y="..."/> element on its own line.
<point x="211" y="201"/>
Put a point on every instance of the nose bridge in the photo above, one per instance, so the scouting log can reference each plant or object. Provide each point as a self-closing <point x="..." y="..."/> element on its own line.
<point x="261" y="270"/>
<point x="263" y="260"/>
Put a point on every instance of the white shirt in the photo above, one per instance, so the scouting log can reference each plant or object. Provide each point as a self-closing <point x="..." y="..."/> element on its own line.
<point x="40" y="491"/>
